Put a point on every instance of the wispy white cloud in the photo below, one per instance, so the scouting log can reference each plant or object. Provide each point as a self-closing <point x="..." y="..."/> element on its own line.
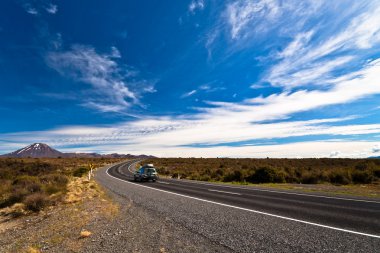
<point x="196" y="5"/>
<point x="241" y="13"/>
<point x="188" y="94"/>
<point x="52" y="8"/>
<point x="39" y="7"/>
<point x="233" y="122"/>
<point x="110" y="91"/>
<point x="31" y="10"/>
<point x="306" y="62"/>
<point x="206" y="88"/>
<point x="164" y="137"/>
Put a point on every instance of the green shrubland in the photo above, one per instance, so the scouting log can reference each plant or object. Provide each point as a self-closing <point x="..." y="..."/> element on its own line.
<point x="305" y="171"/>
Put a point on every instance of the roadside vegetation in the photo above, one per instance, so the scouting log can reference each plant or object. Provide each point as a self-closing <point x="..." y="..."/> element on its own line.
<point x="305" y="171"/>
<point x="31" y="184"/>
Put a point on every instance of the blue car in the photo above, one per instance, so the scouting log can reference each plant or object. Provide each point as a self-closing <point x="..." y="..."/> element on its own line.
<point x="146" y="173"/>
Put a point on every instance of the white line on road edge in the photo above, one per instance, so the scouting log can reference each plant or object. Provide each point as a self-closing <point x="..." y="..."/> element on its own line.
<point x="234" y="193"/>
<point x="162" y="182"/>
<point x="248" y="210"/>
<point x="282" y="192"/>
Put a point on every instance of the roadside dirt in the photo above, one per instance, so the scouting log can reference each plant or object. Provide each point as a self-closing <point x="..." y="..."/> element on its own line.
<point x="61" y="228"/>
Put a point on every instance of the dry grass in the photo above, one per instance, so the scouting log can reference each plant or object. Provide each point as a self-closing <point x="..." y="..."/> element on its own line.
<point x="38" y="183"/>
<point x="32" y="250"/>
<point x="73" y="203"/>
<point x="85" y="234"/>
<point x="62" y="226"/>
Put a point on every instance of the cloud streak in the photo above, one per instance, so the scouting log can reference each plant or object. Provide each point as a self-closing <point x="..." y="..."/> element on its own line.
<point x="110" y="89"/>
<point x="196" y="5"/>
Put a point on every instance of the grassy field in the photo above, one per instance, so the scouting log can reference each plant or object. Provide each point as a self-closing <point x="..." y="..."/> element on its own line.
<point x="294" y="171"/>
<point x="31" y="184"/>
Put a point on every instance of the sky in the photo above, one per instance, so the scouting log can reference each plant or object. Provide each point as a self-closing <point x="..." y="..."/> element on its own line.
<point x="192" y="78"/>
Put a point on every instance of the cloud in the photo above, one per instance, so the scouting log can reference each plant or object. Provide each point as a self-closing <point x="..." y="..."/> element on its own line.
<point x="314" y="62"/>
<point x="52" y="8"/>
<point x="188" y="94"/>
<point x="207" y="88"/>
<point x="196" y="5"/>
<point x="147" y="136"/>
<point x="299" y="42"/>
<point x="110" y="88"/>
<point x="376" y="149"/>
<point x="31" y="10"/>
<point x="222" y="123"/>
<point x="241" y="13"/>
<point x="335" y="154"/>
<point x="37" y="7"/>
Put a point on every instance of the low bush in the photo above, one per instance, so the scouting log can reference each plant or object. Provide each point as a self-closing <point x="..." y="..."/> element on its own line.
<point x="36" y="201"/>
<point x="340" y="177"/>
<point x="362" y="177"/>
<point x="80" y="171"/>
<point x="267" y="175"/>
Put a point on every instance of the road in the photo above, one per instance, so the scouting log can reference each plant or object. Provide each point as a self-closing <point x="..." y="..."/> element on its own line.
<point x="326" y="222"/>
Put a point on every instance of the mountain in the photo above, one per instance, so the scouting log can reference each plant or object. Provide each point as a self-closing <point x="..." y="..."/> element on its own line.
<point x="37" y="150"/>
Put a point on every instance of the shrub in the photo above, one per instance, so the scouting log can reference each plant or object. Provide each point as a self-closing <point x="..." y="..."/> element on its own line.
<point x="363" y="177"/>
<point x="234" y="176"/>
<point x="205" y="178"/>
<point x="376" y="173"/>
<point x="340" y="177"/>
<point x="309" y="178"/>
<point x="36" y="201"/>
<point x="268" y="175"/>
<point x="80" y="171"/>
<point x="54" y="179"/>
<point x="29" y="183"/>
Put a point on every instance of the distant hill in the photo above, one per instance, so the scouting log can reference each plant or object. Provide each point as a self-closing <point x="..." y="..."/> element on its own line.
<point x="39" y="150"/>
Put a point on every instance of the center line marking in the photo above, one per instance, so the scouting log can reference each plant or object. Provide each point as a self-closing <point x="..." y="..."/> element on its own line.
<point x="234" y="193"/>
<point x="162" y="182"/>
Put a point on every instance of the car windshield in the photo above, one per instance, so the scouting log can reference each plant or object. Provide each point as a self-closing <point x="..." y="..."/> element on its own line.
<point x="151" y="170"/>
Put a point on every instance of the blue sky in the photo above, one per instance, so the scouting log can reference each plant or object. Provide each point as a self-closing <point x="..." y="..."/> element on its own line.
<point x="197" y="78"/>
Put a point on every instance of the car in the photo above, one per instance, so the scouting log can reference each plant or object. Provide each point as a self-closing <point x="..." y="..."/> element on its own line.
<point x="146" y="173"/>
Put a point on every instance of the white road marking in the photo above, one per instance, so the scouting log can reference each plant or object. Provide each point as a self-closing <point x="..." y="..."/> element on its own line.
<point x="248" y="210"/>
<point x="282" y="192"/>
<point x="162" y="182"/>
<point x="234" y="193"/>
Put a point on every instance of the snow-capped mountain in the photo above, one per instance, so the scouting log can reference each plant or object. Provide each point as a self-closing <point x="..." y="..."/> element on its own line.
<point x="36" y="150"/>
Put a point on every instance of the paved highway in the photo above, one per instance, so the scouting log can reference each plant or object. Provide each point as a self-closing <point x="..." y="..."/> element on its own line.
<point x="345" y="219"/>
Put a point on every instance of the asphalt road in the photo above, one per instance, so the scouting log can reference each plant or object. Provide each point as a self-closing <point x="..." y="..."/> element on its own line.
<point x="330" y="223"/>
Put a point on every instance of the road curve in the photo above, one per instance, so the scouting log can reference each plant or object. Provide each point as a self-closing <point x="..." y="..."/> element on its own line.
<point x="332" y="218"/>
